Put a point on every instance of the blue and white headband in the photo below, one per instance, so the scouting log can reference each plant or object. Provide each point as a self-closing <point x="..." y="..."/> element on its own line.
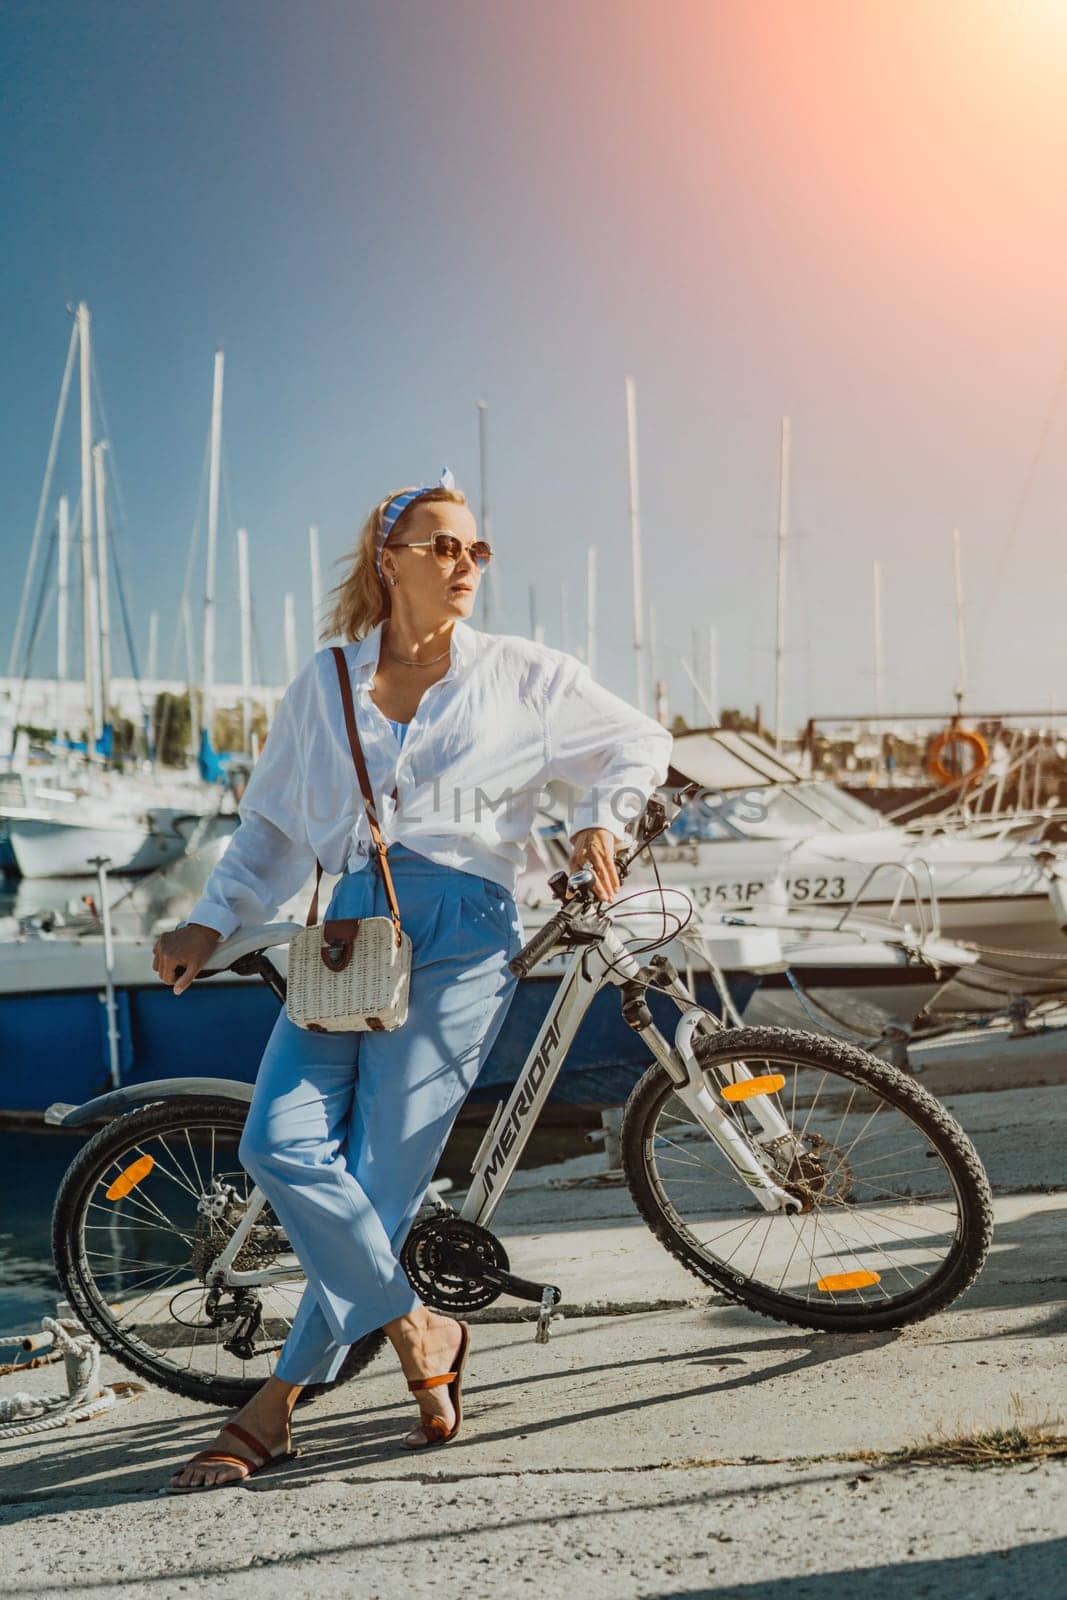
<point x="398" y="504"/>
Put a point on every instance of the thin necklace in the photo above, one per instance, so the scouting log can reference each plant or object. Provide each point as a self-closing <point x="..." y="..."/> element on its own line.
<point x="404" y="661"/>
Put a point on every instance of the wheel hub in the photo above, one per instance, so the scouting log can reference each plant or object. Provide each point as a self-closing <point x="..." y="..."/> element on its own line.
<point x="821" y="1175"/>
<point x="211" y="1235"/>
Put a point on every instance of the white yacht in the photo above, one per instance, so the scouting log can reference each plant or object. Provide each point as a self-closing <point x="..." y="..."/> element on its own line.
<point x="765" y="835"/>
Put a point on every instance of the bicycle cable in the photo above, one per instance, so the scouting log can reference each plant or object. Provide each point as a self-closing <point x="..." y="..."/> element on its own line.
<point x="681" y="922"/>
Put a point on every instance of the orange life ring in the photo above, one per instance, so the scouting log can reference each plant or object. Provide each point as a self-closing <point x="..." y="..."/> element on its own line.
<point x="941" y="742"/>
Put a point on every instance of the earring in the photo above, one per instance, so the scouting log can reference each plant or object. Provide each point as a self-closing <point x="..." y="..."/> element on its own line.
<point x="393" y="582"/>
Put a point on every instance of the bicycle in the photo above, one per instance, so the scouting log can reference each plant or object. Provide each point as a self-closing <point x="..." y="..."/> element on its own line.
<point x="799" y="1176"/>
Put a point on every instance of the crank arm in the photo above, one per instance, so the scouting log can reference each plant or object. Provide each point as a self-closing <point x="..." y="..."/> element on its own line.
<point x="507" y="1282"/>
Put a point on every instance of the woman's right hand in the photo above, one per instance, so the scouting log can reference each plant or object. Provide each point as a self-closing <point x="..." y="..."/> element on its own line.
<point x="186" y="948"/>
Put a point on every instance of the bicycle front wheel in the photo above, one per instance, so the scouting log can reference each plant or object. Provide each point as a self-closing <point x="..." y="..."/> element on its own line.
<point x="895" y="1212"/>
<point x="143" y="1211"/>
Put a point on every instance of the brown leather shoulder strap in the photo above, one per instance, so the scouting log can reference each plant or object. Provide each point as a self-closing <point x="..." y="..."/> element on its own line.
<point x="364" y="783"/>
<point x="313" y="908"/>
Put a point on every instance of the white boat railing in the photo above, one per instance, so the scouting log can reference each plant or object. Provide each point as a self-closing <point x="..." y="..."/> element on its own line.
<point x="908" y="875"/>
<point x="968" y="806"/>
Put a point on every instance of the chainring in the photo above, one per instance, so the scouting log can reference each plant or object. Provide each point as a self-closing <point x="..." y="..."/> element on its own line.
<point x="443" y="1257"/>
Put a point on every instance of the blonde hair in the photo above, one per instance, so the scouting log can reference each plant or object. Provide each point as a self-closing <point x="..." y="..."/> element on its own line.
<point x="361" y="599"/>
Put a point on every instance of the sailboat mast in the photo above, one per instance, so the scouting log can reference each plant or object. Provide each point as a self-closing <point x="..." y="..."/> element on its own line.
<point x="879" y="665"/>
<point x="537" y="632"/>
<point x="635" y="543"/>
<point x="214" y="463"/>
<point x="290" y="638"/>
<point x="316" y="582"/>
<point x="488" y="580"/>
<point x="245" y="589"/>
<point x="153" y="646"/>
<point x="190" y="676"/>
<point x="783" y="545"/>
<point x="103" y="598"/>
<point x="713" y="675"/>
<point x="42" y="503"/>
<point x="62" y="616"/>
<point x="961" y="627"/>
<point x="93" y="717"/>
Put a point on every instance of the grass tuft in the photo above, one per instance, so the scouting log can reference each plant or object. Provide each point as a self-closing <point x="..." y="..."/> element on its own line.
<point x="1019" y="1441"/>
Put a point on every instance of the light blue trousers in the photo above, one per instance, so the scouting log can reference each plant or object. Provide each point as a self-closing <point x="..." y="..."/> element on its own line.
<point x="345" y="1130"/>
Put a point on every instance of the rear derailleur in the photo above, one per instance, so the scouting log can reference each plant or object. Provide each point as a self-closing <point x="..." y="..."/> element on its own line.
<point x="243" y="1314"/>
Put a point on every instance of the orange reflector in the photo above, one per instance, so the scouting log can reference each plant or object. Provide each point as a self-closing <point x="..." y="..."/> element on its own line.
<point x="848" y="1280"/>
<point x="749" y="1088"/>
<point x="129" y="1179"/>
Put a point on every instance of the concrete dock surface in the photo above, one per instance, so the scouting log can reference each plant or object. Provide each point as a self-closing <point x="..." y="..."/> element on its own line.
<point x="663" y="1443"/>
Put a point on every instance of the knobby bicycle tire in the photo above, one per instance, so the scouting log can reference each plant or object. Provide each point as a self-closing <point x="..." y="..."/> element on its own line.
<point x="973" y="1231"/>
<point x="92" y="1309"/>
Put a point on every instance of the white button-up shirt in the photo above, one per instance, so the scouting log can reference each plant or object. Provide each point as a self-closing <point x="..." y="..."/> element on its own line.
<point x="507" y="718"/>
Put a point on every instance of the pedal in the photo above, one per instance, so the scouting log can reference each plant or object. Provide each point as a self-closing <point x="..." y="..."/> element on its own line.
<point x="1018" y="1015"/>
<point x="457" y="1266"/>
<point x="550" y="1299"/>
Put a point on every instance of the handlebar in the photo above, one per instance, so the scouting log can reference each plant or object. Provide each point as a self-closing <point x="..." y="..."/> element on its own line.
<point x="652" y="822"/>
<point x="538" y="947"/>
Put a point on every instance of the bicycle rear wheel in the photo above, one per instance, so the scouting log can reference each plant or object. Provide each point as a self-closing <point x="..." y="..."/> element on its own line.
<point x="896" y="1211"/>
<point x="142" y="1212"/>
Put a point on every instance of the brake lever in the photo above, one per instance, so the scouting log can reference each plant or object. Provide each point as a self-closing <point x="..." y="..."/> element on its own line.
<point x="654" y="819"/>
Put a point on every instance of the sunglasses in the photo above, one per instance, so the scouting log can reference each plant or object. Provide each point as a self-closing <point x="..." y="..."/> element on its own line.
<point x="448" y="548"/>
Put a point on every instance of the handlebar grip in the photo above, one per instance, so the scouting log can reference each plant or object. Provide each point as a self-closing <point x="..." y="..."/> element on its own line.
<point x="536" y="949"/>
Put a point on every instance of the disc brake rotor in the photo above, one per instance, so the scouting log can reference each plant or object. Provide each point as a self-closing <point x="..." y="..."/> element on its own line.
<point x="821" y="1176"/>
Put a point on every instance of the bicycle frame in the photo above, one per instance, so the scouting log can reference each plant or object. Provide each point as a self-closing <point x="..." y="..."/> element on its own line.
<point x="590" y="967"/>
<point x="513" y="1122"/>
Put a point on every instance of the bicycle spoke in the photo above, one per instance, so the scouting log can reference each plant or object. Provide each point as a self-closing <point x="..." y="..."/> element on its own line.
<point x="860" y="1237"/>
<point x="145" y="1248"/>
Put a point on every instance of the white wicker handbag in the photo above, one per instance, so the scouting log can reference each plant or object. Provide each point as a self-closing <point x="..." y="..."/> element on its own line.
<point x="351" y="974"/>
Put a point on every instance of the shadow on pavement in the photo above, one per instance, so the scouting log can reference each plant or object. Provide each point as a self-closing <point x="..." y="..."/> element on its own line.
<point x="134" y="1459"/>
<point x="1028" y="1572"/>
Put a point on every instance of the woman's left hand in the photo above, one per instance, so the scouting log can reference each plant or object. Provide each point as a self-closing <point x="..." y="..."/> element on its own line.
<point x="595" y="848"/>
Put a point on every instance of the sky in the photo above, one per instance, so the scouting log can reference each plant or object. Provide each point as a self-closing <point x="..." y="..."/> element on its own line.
<point x="850" y="212"/>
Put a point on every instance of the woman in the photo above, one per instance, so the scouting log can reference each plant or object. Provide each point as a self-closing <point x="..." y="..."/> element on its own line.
<point x="460" y="730"/>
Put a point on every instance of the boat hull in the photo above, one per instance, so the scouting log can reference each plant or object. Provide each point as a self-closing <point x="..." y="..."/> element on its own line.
<point x="48" y="848"/>
<point x="53" y="1044"/>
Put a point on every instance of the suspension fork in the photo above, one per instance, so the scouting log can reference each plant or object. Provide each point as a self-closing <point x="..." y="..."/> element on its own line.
<point x="694" y="1020"/>
<point x="691" y="1087"/>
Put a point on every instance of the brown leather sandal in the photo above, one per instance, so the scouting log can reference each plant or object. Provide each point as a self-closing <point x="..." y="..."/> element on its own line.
<point x="222" y="1458"/>
<point x="436" y="1429"/>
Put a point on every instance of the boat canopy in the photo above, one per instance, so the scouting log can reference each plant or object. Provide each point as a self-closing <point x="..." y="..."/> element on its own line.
<point x="724" y="761"/>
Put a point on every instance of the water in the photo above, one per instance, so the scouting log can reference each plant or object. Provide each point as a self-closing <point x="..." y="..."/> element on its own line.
<point x="31" y="1165"/>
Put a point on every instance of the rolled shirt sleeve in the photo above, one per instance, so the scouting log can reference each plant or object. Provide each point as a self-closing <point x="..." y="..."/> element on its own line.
<point x="613" y="755"/>
<point x="269" y="857"/>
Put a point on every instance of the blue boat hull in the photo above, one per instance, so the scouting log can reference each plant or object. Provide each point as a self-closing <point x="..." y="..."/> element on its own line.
<point x="53" y="1046"/>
